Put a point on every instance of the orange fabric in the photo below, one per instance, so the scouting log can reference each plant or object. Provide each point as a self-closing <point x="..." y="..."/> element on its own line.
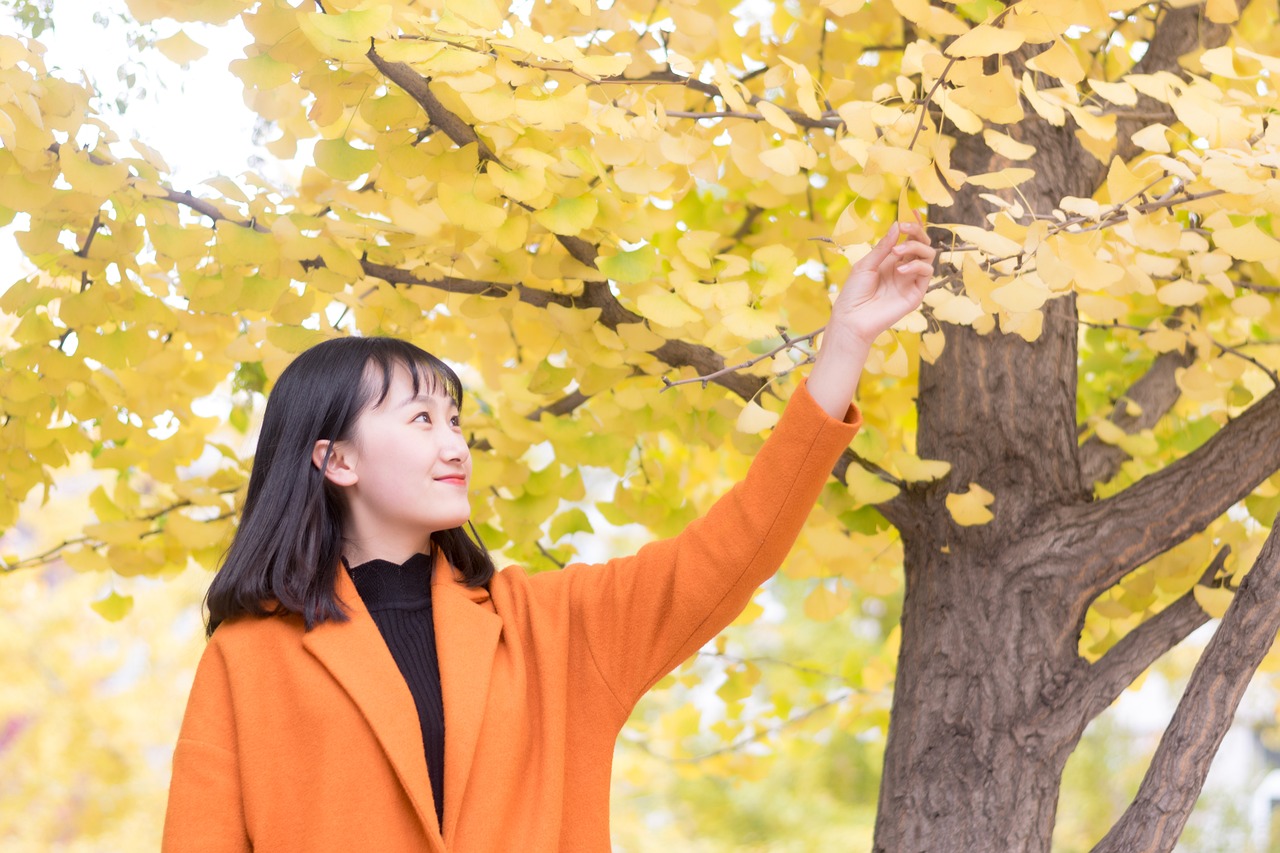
<point x="297" y="740"/>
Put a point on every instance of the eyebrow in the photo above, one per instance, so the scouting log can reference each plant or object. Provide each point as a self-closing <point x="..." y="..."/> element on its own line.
<point x="423" y="398"/>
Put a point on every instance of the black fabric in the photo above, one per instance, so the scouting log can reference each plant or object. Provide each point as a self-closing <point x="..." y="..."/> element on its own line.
<point x="398" y="598"/>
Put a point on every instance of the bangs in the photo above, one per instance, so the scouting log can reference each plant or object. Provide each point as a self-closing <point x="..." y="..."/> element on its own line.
<point x="427" y="373"/>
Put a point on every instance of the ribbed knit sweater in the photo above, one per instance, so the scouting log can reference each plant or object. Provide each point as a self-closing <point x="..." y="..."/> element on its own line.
<point x="398" y="597"/>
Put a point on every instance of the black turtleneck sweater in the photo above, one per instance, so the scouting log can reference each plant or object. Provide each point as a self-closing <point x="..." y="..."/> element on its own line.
<point x="399" y="600"/>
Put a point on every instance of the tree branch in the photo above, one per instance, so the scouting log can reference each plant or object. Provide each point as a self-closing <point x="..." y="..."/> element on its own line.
<point x="1145" y="644"/>
<point x="1155" y="393"/>
<point x="1155" y="819"/>
<point x="1114" y="536"/>
<point x="419" y="88"/>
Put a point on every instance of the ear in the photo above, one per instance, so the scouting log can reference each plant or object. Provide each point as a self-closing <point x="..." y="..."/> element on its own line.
<point x="340" y="468"/>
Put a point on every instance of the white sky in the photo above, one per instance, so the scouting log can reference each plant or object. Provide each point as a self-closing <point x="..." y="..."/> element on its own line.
<point x="194" y="116"/>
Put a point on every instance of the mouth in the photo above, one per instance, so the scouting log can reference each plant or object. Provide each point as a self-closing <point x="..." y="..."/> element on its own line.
<point x="452" y="481"/>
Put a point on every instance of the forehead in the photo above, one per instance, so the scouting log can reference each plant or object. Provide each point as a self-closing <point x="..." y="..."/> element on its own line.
<point x="397" y="386"/>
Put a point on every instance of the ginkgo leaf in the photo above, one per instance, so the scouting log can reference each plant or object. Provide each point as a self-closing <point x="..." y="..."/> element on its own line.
<point x="345" y="35"/>
<point x="113" y="607"/>
<point x="341" y="160"/>
<point x="631" y="267"/>
<point x="181" y="48"/>
<point x="824" y="603"/>
<point x="754" y="419"/>
<point x="1247" y="242"/>
<point x="664" y="307"/>
<point x="1059" y="61"/>
<point x="1213" y="600"/>
<point x="971" y="507"/>
<point x="986" y="40"/>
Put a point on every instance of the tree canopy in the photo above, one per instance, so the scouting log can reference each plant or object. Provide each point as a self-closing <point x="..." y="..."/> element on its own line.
<point x="624" y="221"/>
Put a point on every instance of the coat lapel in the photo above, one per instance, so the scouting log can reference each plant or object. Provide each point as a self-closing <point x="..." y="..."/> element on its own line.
<point x="358" y="658"/>
<point x="467" y="633"/>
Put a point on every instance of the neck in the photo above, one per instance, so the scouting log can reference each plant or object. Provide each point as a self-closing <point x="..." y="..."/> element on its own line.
<point x="358" y="553"/>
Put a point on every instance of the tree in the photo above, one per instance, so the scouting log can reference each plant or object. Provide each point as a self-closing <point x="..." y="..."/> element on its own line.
<point x="1072" y="450"/>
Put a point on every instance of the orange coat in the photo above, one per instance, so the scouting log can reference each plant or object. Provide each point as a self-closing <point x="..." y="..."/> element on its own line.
<point x="310" y="741"/>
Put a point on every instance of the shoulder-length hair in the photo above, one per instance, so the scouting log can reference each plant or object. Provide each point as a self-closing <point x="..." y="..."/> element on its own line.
<point x="288" y="545"/>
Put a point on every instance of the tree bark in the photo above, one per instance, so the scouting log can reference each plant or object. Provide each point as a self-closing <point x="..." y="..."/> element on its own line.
<point x="1154" y="821"/>
<point x="991" y="695"/>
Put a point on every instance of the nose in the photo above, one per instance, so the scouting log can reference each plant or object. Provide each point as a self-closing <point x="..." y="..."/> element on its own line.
<point x="455" y="448"/>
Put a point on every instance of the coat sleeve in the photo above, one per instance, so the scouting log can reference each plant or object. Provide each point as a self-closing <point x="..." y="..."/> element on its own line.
<point x="205" y="813"/>
<point x="641" y="616"/>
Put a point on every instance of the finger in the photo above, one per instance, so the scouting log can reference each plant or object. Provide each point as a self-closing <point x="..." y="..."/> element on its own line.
<point x="879" y="251"/>
<point x="915" y="231"/>
<point x="920" y="268"/>
<point x="915" y="249"/>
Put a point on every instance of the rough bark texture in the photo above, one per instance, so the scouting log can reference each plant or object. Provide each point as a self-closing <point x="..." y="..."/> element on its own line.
<point x="1159" y="812"/>
<point x="991" y="694"/>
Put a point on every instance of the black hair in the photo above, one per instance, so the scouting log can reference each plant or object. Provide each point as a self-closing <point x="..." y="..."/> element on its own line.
<point x="288" y="545"/>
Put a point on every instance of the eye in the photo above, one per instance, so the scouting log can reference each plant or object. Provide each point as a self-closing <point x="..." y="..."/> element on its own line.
<point x="425" y="417"/>
<point x="456" y="421"/>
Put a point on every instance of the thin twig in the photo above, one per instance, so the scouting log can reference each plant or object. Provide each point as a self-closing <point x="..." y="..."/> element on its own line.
<point x="787" y="343"/>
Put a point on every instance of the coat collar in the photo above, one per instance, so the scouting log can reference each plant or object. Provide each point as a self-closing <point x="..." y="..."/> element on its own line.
<point x="467" y="631"/>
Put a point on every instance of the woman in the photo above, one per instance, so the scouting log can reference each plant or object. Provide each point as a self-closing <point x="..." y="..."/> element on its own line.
<point x="403" y="695"/>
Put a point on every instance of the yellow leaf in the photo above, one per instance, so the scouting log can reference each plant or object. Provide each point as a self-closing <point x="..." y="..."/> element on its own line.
<point x="915" y="469"/>
<point x="1003" y="179"/>
<point x="114" y="607"/>
<point x="754" y="418"/>
<point x="931" y="346"/>
<point x="86" y="560"/>
<point x="1021" y="294"/>
<point x="1252" y="305"/>
<point x="629" y="267"/>
<point x="868" y="489"/>
<point x="91" y="178"/>
<point x="1213" y="600"/>
<point x="971" y="508"/>
<point x="492" y="104"/>
<point x="953" y="308"/>
<point x="180" y="48"/>
<point x="666" y="308"/>
<point x="643" y="180"/>
<point x="465" y="210"/>
<point x="1118" y="93"/>
<point x="340" y="160"/>
<point x="118" y="532"/>
<point x="824" y="604"/>
<point x="776" y="116"/>
<point x="1007" y="146"/>
<point x="569" y="216"/>
<point x="985" y="40"/>
<point x="1059" y="61"/>
<point x="346" y="35"/>
<point x="1181" y="292"/>
<point x="1247" y="242"/>
<point x="1222" y="11"/>
<point x="1152" y="138"/>
<point x="196" y="535"/>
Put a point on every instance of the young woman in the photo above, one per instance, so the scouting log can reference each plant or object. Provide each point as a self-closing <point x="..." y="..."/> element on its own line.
<point x="373" y="684"/>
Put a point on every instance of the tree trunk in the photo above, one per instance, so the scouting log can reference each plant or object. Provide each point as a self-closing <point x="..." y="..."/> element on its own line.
<point x="978" y="741"/>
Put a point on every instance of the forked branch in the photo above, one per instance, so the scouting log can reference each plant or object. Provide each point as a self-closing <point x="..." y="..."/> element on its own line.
<point x="1146" y="644"/>
<point x="1155" y="819"/>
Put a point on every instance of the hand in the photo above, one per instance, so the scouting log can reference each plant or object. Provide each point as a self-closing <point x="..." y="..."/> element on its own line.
<point x="888" y="283"/>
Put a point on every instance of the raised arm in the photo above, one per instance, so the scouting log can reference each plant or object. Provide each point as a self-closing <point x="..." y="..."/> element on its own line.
<point x="641" y="616"/>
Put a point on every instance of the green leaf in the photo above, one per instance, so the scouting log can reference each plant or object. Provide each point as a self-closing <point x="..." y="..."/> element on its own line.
<point x="339" y="160"/>
<point x="114" y="607"/>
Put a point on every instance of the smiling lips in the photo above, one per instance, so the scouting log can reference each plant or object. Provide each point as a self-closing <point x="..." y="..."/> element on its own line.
<point x="452" y="481"/>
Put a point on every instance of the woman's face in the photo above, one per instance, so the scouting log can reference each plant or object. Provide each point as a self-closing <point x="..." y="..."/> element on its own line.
<point x="409" y="466"/>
